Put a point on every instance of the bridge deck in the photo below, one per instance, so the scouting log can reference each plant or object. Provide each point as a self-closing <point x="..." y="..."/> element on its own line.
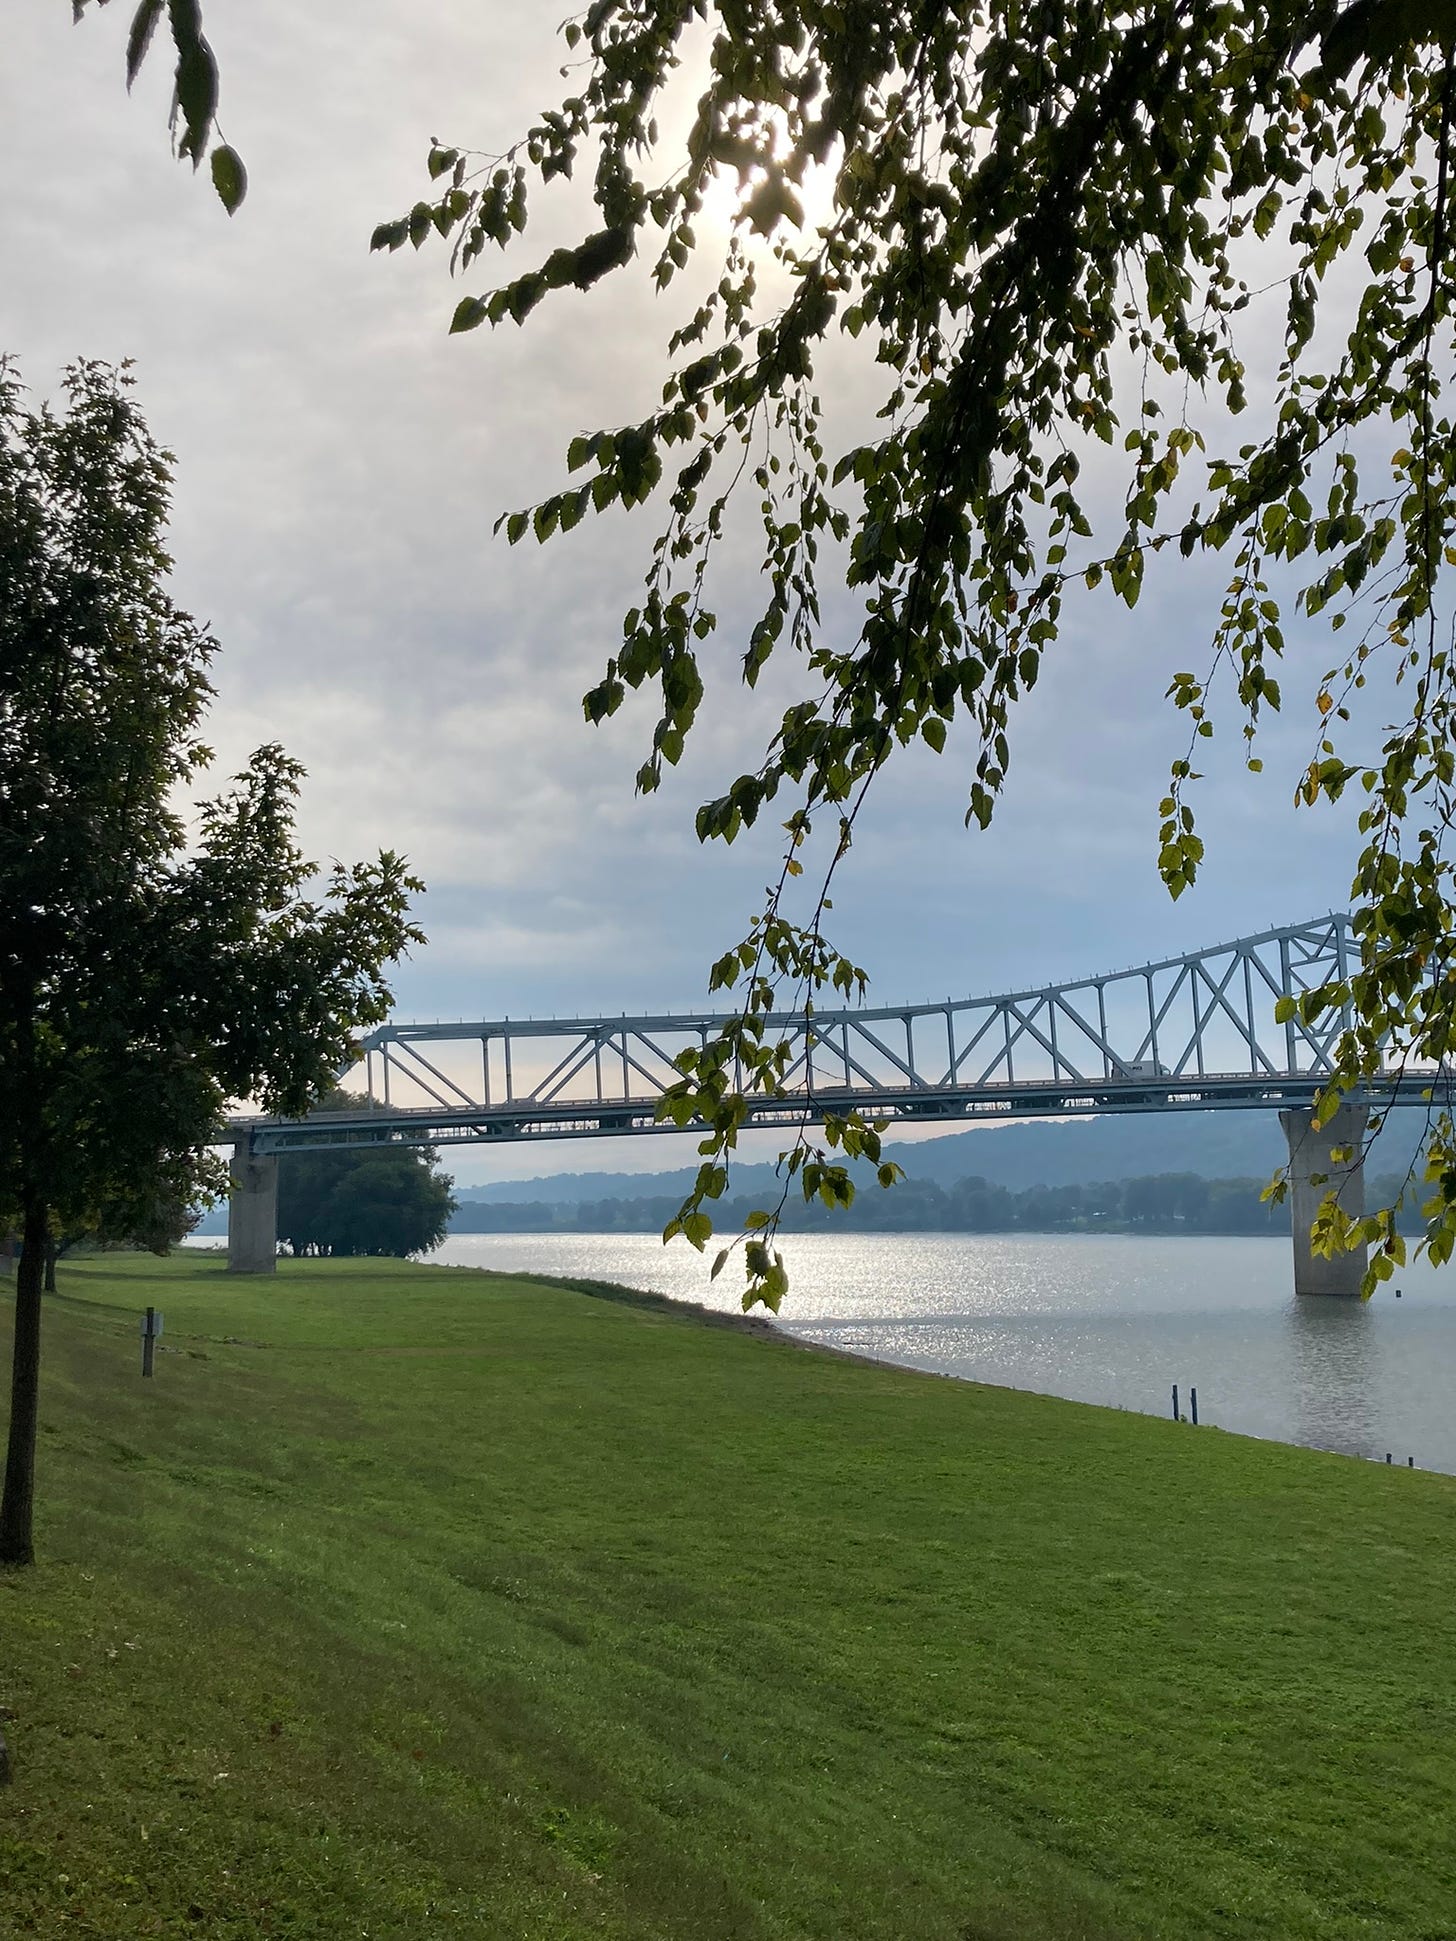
<point x="1184" y="1034"/>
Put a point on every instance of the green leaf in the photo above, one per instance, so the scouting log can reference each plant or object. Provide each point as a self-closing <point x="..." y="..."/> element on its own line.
<point x="470" y="312"/>
<point x="139" y="39"/>
<point x="773" y="202"/>
<point x="697" y="1230"/>
<point x="229" y="178"/>
<point x="196" y="78"/>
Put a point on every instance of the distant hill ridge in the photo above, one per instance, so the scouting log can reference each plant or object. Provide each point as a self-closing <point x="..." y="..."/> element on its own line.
<point x="1075" y="1152"/>
<point x="1072" y="1152"/>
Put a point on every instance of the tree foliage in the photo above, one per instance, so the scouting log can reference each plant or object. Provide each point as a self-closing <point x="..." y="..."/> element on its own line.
<point x="145" y="979"/>
<point x="1168" y="1202"/>
<point x="363" y="1200"/>
<point x="1068" y="236"/>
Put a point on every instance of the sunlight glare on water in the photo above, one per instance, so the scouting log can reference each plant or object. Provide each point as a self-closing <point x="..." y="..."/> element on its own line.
<point x="1109" y="1318"/>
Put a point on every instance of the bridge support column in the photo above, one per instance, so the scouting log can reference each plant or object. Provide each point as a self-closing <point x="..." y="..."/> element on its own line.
<point x="1309" y="1154"/>
<point x="253" y="1213"/>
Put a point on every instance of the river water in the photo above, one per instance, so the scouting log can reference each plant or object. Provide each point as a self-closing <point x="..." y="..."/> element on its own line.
<point x="1098" y="1318"/>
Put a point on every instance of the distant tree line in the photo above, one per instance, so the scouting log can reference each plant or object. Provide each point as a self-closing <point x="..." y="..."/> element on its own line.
<point x="1151" y="1203"/>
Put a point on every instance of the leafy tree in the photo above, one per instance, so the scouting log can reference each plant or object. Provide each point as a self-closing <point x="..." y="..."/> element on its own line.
<point x="1152" y="1198"/>
<point x="365" y="1200"/>
<point x="144" y="982"/>
<point x="1236" y="1206"/>
<point x="1057" y="226"/>
<point x="167" y="1226"/>
<point x="980" y="1207"/>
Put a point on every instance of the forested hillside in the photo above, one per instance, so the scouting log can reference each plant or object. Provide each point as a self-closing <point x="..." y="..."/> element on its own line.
<point x="1062" y="1152"/>
<point x="1151" y="1203"/>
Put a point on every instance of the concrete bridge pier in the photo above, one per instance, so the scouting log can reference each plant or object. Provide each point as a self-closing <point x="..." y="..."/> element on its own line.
<point x="252" y="1212"/>
<point x="1309" y="1153"/>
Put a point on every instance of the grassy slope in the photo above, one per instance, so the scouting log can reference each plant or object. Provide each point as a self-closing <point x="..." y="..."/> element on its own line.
<point x="443" y="1605"/>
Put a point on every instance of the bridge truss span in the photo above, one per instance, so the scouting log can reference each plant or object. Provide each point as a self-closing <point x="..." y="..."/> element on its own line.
<point x="1186" y="1033"/>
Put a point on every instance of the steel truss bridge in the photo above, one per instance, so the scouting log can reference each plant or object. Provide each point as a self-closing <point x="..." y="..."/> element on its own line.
<point x="1185" y="1034"/>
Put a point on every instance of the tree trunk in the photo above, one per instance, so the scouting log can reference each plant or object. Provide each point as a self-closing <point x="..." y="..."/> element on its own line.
<point x="50" y="1266"/>
<point x="18" y="1503"/>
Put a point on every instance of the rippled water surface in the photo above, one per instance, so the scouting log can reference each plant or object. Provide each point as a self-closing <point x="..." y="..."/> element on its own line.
<point x="1098" y="1318"/>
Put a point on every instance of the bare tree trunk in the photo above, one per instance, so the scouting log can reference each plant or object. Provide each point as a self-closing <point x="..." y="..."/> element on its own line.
<point x="18" y="1503"/>
<point x="51" y="1253"/>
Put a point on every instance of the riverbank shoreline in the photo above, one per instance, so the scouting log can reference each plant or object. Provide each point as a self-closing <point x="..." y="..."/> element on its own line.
<point x="757" y="1327"/>
<point x="1112" y="1321"/>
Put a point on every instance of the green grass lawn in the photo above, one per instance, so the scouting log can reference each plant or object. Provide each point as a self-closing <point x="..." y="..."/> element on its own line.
<point x="420" y="1603"/>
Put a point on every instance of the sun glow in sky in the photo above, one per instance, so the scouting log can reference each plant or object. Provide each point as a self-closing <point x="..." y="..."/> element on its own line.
<point x="729" y="199"/>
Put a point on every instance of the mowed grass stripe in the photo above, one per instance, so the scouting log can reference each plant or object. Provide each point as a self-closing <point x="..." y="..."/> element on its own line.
<point x="418" y="1602"/>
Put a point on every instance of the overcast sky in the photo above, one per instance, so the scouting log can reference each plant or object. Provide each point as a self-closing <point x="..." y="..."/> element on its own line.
<point x="341" y="462"/>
